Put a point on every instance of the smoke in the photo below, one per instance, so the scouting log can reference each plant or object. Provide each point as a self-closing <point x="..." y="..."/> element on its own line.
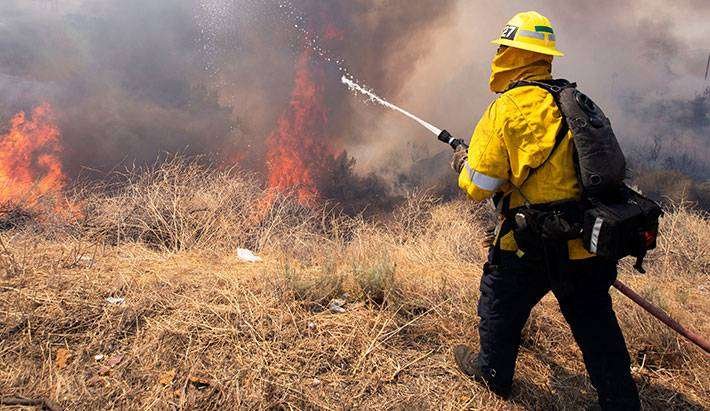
<point x="131" y="79"/>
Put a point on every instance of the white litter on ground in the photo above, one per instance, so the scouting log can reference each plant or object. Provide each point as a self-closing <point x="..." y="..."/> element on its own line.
<point x="247" y="256"/>
<point x="115" y="300"/>
<point x="337" y="305"/>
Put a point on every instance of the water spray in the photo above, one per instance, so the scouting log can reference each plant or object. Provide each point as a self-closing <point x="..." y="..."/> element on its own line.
<point x="442" y="135"/>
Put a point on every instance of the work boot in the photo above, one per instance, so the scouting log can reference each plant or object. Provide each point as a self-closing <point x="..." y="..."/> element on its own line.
<point x="467" y="361"/>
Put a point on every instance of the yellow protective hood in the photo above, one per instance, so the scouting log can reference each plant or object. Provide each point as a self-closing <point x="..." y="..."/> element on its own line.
<point x="513" y="64"/>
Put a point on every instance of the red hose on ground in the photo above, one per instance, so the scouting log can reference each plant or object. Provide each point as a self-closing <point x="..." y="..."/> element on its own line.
<point x="697" y="339"/>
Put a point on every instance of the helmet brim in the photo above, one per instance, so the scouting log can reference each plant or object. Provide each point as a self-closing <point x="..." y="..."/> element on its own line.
<point x="528" y="47"/>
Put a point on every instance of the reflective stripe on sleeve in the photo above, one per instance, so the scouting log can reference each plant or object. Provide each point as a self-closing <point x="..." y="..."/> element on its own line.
<point x="483" y="181"/>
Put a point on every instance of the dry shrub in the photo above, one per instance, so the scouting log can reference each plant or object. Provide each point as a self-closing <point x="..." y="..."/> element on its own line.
<point x="50" y="214"/>
<point x="683" y="243"/>
<point x="177" y="206"/>
<point x="412" y="216"/>
<point x="181" y="204"/>
<point x="672" y="186"/>
<point x="11" y="264"/>
<point x="13" y="216"/>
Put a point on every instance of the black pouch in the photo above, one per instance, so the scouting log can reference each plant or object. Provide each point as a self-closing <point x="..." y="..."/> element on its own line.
<point x="526" y="230"/>
<point x="557" y="226"/>
<point x="623" y="225"/>
<point x="551" y="225"/>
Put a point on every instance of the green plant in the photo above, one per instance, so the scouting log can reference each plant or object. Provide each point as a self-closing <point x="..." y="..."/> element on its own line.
<point x="376" y="280"/>
<point x="315" y="288"/>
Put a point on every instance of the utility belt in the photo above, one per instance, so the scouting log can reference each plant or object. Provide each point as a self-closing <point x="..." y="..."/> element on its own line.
<point x="539" y="225"/>
<point x="561" y="221"/>
<point x="624" y="224"/>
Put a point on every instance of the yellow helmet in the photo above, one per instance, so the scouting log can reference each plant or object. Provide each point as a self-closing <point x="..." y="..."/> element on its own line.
<point x="529" y="31"/>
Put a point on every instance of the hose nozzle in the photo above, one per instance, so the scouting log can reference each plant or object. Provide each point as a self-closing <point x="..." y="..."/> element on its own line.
<point x="454" y="142"/>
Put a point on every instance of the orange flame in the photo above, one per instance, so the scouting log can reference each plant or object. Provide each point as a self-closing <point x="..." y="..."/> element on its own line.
<point x="30" y="168"/>
<point x="295" y="150"/>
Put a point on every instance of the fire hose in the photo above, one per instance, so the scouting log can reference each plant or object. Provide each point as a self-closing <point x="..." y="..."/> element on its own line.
<point x="658" y="313"/>
<point x="661" y="315"/>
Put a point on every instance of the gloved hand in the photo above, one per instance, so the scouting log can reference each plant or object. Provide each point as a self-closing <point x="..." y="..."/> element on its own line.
<point x="459" y="158"/>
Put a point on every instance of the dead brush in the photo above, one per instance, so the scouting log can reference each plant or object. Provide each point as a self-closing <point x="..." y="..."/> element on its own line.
<point x="14" y="216"/>
<point x="49" y="214"/>
<point x="23" y="253"/>
<point x="281" y="223"/>
<point x="683" y="241"/>
<point x="9" y="261"/>
<point x="179" y="205"/>
<point x="657" y="346"/>
<point x="411" y="217"/>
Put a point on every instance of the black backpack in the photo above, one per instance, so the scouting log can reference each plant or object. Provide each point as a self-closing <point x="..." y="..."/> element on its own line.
<point x="617" y="220"/>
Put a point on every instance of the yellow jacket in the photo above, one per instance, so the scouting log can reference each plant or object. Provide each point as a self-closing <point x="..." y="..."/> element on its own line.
<point x="516" y="135"/>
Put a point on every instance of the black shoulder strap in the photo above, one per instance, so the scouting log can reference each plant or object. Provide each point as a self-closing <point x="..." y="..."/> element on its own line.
<point x="554" y="87"/>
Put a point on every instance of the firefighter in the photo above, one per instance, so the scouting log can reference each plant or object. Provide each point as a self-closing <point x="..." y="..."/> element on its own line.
<point x="516" y="135"/>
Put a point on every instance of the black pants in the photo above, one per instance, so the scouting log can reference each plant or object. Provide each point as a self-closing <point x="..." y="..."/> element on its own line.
<point x="512" y="286"/>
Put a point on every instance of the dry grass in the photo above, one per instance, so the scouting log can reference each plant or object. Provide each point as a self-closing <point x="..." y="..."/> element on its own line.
<point x="199" y="329"/>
